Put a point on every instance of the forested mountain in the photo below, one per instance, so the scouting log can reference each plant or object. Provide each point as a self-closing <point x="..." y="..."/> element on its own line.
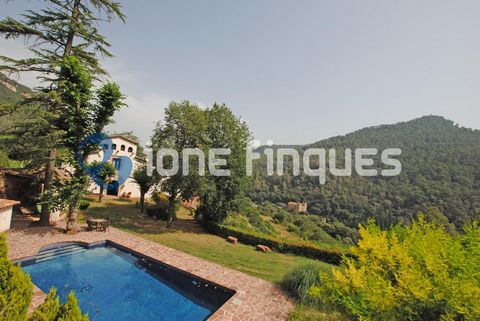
<point x="440" y="168"/>
<point x="11" y="91"/>
<point x="14" y="119"/>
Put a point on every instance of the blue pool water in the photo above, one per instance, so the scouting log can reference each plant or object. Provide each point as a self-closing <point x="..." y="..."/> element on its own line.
<point x="113" y="285"/>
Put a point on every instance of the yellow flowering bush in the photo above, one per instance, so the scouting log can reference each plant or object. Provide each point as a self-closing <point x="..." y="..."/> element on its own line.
<point x="417" y="272"/>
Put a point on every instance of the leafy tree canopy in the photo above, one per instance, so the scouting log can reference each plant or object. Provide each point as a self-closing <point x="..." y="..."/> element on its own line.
<point x="186" y="126"/>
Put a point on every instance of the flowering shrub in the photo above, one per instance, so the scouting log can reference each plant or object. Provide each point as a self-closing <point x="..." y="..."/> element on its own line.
<point x="417" y="272"/>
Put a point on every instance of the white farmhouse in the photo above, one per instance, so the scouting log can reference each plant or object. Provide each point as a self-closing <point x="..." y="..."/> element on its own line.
<point x="119" y="146"/>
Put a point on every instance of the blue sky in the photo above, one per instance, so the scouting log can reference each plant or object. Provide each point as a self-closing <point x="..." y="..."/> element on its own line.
<point x="296" y="71"/>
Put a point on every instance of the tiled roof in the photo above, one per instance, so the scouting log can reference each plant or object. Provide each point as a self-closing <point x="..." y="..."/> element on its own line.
<point x="22" y="172"/>
<point x="124" y="138"/>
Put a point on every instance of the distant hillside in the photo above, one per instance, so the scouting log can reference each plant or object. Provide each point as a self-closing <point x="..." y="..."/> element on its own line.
<point x="11" y="91"/>
<point x="261" y="149"/>
<point x="441" y="167"/>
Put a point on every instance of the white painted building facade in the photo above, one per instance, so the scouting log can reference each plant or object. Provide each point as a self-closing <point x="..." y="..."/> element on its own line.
<point x="119" y="146"/>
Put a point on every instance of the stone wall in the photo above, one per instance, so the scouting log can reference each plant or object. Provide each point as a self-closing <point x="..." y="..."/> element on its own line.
<point x="297" y="207"/>
<point x="19" y="187"/>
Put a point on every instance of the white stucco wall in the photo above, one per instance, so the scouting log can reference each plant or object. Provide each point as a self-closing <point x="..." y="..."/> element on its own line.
<point x="5" y="218"/>
<point x="129" y="185"/>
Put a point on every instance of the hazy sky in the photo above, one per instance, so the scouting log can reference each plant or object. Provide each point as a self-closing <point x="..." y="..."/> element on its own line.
<point x="297" y="71"/>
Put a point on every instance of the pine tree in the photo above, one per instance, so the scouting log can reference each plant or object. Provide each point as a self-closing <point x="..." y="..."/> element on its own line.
<point x="62" y="28"/>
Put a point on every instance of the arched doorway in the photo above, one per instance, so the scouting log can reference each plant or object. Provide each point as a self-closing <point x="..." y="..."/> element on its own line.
<point x="112" y="188"/>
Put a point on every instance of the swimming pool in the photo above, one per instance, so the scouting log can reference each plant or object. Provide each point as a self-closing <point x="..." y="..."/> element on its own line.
<point x="114" y="284"/>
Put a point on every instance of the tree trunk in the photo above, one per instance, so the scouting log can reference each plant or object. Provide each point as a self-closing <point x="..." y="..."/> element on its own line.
<point x="171" y="210"/>
<point x="51" y="162"/>
<point x="142" y="202"/>
<point x="71" y="32"/>
<point x="72" y="218"/>
<point x="49" y="171"/>
<point x="102" y="189"/>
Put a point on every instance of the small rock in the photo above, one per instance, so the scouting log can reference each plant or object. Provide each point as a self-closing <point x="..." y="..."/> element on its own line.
<point x="232" y="240"/>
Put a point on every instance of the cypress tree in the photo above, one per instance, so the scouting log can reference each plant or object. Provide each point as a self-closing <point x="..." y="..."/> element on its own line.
<point x="15" y="288"/>
<point x="16" y="294"/>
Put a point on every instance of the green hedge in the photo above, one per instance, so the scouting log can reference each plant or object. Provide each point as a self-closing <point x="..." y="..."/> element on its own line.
<point x="332" y="256"/>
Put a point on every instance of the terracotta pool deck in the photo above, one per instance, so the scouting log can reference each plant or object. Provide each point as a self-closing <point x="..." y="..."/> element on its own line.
<point x="254" y="300"/>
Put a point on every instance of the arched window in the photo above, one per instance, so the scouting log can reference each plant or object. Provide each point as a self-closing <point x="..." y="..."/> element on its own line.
<point x="130" y="149"/>
<point x="105" y="146"/>
<point x="114" y="146"/>
<point x="122" y="148"/>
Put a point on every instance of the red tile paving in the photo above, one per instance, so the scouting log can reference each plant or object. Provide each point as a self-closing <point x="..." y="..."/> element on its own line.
<point x="254" y="300"/>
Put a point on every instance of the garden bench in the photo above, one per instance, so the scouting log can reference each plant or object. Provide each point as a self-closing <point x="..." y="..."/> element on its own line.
<point x="263" y="248"/>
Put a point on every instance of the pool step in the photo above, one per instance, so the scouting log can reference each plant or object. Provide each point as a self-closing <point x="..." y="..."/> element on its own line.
<point x="54" y="253"/>
<point x="64" y="248"/>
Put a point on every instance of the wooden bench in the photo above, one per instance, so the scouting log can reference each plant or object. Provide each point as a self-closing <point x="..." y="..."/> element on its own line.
<point x="232" y="240"/>
<point x="263" y="248"/>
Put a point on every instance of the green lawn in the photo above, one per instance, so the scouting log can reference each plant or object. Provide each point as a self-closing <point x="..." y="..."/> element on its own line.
<point x="305" y="313"/>
<point x="188" y="237"/>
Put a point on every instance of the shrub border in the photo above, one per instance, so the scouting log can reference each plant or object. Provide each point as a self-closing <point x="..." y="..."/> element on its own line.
<point x="331" y="256"/>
